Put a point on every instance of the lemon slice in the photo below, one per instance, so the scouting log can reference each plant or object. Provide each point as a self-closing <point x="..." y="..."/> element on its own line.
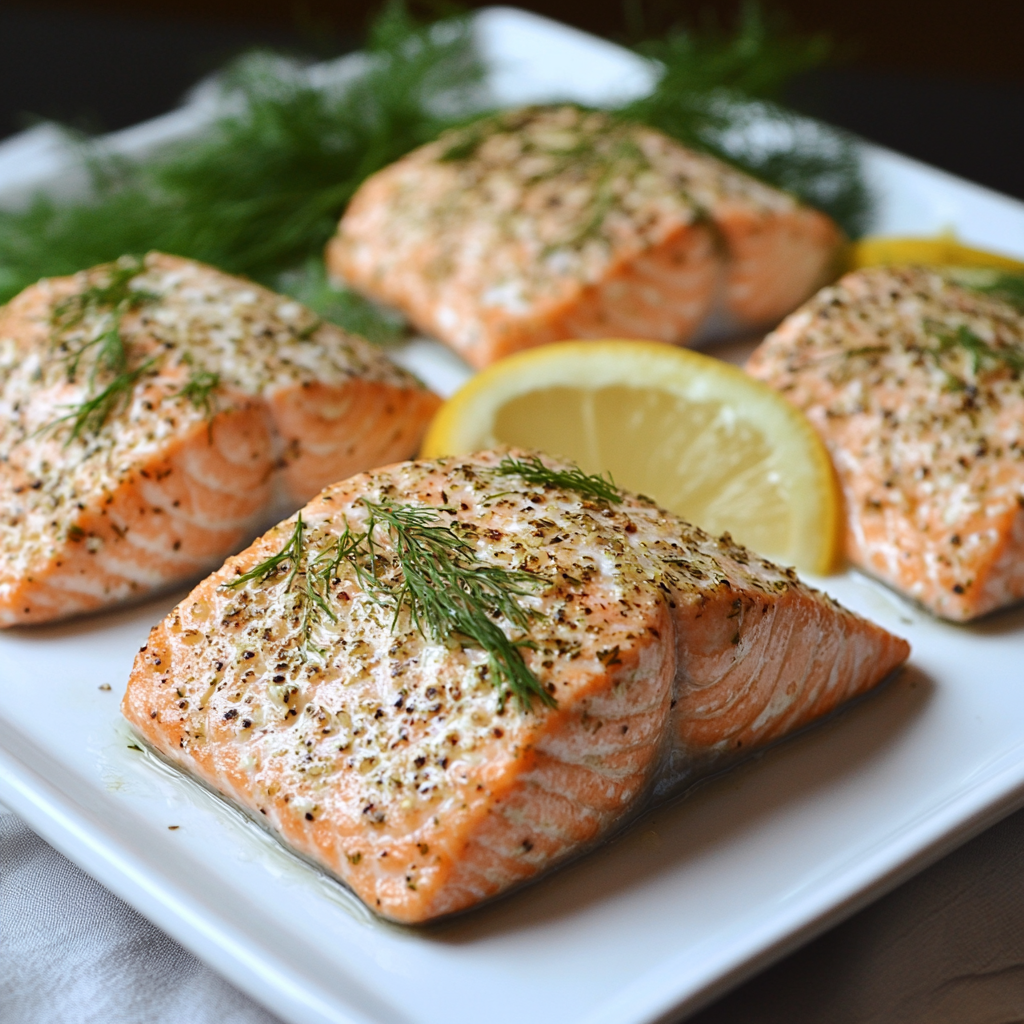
<point x="939" y="251"/>
<point x="696" y="434"/>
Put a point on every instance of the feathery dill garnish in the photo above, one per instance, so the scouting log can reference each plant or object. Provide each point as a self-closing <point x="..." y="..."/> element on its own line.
<point x="314" y="592"/>
<point x="437" y="578"/>
<point x="90" y="415"/>
<point x="1000" y="284"/>
<point x="261" y="190"/>
<point x="590" y="485"/>
<point x="101" y="307"/>
<point x="200" y="388"/>
<point x="407" y="562"/>
<point x="292" y="551"/>
<point x="981" y="353"/>
<point x="106" y="303"/>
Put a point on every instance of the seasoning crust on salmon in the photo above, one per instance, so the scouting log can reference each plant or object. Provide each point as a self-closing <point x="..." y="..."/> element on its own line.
<point x="152" y="413"/>
<point x="431" y="767"/>
<point x="550" y="223"/>
<point x="915" y="384"/>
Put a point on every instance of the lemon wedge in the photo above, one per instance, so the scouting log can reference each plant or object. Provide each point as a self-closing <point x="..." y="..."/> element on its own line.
<point x="939" y="251"/>
<point x="694" y="433"/>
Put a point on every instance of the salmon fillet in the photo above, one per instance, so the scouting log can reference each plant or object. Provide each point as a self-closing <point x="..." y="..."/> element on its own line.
<point x="409" y="765"/>
<point x="153" y="412"/>
<point x="552" y="222"/>
<point x="914" y="383"/>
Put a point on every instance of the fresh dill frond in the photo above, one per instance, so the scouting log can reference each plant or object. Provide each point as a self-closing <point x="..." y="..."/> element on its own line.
<point x="425" y="570"/>
<point x="90" y="415"/>
<point x="292" y="551"/>
<point x="102" y="305"/>
<point x="590" y="485"/>
<point x="446" y="589"/>
<point x="200" y="388"/>
<point x="982" y="355"/>
<point x="313" y="593"/>
<point x="107" y="303"/>
<point x="1000" y="284"/>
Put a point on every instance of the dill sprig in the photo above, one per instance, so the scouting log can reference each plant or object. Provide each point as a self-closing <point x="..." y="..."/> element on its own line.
<point x="90" y="415"/>
<point x="446" y="589"/>
<point x="313" y="594"/>
<point x="105" y="302"/>
<point x="292" y="551"/>
<point x="200" y="388"/>
<point x="980" y="352"/>
<point x="340" y="305"/>
<point x="1000" y="284"/>
<point x="407" y="562"/>
<point x="262" y="189"/>
<point x="108" y="301"/>
<point x="590" y="485"/>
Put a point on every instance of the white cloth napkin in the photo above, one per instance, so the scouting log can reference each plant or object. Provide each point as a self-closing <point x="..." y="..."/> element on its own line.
<point x="72" y="953"/>
<point x="945" y="948"/>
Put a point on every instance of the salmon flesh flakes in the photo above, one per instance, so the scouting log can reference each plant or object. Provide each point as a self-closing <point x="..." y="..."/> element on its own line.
<point x="154" y="409"/>
<point x="548" y="223"/>
<point x="915" y="384"/>
<point x="307" y="681"/>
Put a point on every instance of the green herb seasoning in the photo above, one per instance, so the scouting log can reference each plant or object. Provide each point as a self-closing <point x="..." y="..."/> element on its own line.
<point x="200" y="388"/>
<point x="590" y="485"/>
<point x="87" y="326"/>
<point x="1000" y="284"/>
<point x="981" y="354"/>
<point x="408" y="563"/>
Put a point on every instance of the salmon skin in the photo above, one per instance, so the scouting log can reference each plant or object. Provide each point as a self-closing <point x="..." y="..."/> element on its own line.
<point x="153" y="412"/>
<point x="405" y="765"/>
<point x="551" y="223"/>
<point x="915" y="384"/>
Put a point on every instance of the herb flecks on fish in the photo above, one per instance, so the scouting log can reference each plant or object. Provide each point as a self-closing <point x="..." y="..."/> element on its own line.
<point x="982" y="355"/>
<point x="590" y="485"/>
<point x="89" y="322"/>
<point x="407" y="562"/>
<point x="200" y="388"/>
<point x="999" y="284"/>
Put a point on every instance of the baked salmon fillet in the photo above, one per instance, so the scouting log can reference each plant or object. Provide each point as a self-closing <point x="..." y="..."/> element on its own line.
<point x="915" y="384"/>
<point x="443" y="677"/>
<point x="153" y="412"/>
<point x="553" y="222"/>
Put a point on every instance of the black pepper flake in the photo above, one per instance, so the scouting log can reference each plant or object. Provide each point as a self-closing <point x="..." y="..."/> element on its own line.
<point x="230" y="713"/>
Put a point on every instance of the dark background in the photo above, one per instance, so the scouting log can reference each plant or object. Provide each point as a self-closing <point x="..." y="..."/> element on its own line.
<point x="940" y="81"/>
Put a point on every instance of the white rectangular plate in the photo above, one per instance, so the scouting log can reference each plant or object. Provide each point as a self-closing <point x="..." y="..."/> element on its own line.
<point x="692" y="898"/>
